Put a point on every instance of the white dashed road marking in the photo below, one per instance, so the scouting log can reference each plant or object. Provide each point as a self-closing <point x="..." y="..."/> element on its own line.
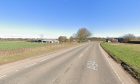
<point x="2" y="76"/>
<point x="92" y="65"/>
<point x="17" y="70"/>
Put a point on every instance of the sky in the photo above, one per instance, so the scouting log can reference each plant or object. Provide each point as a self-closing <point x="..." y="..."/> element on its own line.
<point x="53" y="18"/>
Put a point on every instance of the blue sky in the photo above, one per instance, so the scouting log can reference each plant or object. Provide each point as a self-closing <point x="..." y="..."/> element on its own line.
<point x="52" y="18"/>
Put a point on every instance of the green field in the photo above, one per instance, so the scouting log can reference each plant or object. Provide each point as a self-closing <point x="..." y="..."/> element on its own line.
<point x="10" y="45"/>
<point x="127" y="53"/>
<point x="11" y="51"/>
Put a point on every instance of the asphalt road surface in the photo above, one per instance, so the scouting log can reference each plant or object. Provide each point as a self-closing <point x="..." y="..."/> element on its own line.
<point x="85" y="64"/>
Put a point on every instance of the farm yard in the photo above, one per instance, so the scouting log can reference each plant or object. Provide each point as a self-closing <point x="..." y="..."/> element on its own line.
<point x="127" y="53"/>
<point x="11" y="51"/>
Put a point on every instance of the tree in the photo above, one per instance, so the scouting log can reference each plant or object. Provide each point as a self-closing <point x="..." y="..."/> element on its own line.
<point x="83" y="34"/>
<point x="62" y="39"/>
<point x="71" y="39"/>
<point x="128" y="37"/>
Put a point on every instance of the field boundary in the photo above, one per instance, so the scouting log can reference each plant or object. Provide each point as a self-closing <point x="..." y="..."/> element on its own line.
<point x="125" y="66"/>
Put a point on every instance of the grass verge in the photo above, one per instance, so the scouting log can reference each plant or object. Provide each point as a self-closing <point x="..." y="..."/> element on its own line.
<point x="128" y="55"/>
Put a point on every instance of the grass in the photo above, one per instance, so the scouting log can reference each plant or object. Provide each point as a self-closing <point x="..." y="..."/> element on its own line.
<point x="127" y="53"/>
<point x="11" y="51"/>
<point x="10" y="45"/>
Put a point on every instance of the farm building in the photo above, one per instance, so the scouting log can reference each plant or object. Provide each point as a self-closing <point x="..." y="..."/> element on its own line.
<point x="46" y="41"/>
<point x="114" y="40"/>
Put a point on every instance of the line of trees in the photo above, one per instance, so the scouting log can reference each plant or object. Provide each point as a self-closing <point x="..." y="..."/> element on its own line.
<point x="131" y="38"/>
<point x="128" y="37"/>
<point x="82" y="35"/>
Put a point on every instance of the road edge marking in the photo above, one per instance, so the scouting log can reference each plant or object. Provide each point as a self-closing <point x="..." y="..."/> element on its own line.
<point x="111" y="65"/>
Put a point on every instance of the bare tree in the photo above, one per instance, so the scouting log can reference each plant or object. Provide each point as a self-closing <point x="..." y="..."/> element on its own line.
<point x="62" y="39"/>
<point x="71" y="39"/>
<point x="128" y="37"/>
<point x="83" y="34"/>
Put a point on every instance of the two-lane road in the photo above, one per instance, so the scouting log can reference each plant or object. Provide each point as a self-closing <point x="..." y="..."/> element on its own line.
<point x="87" y="64"/>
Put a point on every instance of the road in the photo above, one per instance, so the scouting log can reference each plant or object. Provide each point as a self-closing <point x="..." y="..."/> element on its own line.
<point x="85" y="64"/>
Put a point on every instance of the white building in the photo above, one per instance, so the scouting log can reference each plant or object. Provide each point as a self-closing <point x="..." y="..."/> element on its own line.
<point x="49" y="41"/>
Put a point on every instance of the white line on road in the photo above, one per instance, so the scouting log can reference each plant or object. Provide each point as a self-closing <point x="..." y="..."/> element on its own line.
<point x="82" y="54"/>
<point x="2" y="76"/>
<point x="30" y="65"/>
<point x="17" y="70"/>
<point x="46" y="59"/>
<point x="111" y="66"/>
<point x="43" y="60"/>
